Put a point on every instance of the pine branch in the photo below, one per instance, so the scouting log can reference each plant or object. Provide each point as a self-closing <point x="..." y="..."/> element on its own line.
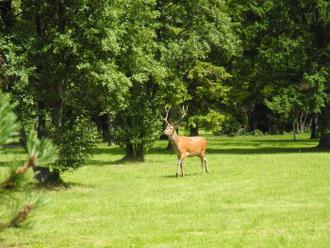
<point x="20" y="217"/>
<point x="10" y="182"/>
<point x="29" y="164"/>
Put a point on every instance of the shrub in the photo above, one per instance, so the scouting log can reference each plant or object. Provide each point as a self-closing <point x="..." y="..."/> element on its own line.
<point x="76" y="140"/>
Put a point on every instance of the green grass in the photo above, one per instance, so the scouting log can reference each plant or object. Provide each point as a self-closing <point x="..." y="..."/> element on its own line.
<point x="261" y="192"/>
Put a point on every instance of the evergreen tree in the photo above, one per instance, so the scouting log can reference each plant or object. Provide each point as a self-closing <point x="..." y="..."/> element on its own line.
<point x="16" y="180"/>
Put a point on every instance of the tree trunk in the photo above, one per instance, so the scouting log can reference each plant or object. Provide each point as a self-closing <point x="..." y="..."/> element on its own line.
<point x="134" y="152"/>
<point x="169" y="146"/>
<point x="7" y="15"/>
<point x="325" y="141"/>
<point x="294" y="127"/>
<point x="41" y="124"/>
<point x="106" y="130"/>
<point x="22" y="137"/>
<point x="314" y="129"/>
<point x="45" y="176"/>
<point x="194" y="131"/>
<point x="325" y="127"/>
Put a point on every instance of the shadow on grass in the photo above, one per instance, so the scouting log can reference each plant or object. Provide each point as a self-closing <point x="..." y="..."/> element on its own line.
<point x="260" y="142"/>
<point x="107" y="162"/>
<point x="186" y="175"/>
<point x="265" y="150"/>
<point x="114" y="162"/>
<point x="118" y="150"/>
<point x="61" y="185"/>
<point x="222" y="146"/>
<point x="169" y="176"/>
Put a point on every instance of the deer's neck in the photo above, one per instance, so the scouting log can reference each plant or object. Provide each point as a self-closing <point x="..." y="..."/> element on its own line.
<point x="174" y="139"/>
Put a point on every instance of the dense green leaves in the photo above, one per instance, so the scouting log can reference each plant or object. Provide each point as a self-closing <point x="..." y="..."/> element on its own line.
<point x="8" y="125"/>
<point x="240" y="66"/>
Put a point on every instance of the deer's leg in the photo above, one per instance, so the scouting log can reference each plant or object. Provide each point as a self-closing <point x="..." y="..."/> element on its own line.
<point x="202" y="163"/>
<point x="177" y="169"/>
<point x="206" y="165"/>
<point x="182" y="171"/>
<point x="181" y="165"/>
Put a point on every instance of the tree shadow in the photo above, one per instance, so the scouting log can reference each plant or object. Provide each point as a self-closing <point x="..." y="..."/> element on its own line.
<point x="264" y="150"/>
<point x="160" y="150"/>
<point x="60" y="185"/>
<point x="118" y="151"/>
<point x="96" y="162"/>
<point x="194" y="174"/>
<point x="121" y="161"/>
<point x="169" y="176"/>
<point x="260" y="142"/>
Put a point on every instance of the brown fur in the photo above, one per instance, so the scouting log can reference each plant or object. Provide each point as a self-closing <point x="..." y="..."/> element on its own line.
<point x="187" y="146"/>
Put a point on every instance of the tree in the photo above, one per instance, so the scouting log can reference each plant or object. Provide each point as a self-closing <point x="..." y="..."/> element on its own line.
<point x="283" y="42"/>
<point x="196" y="36"/>
<point x="57" y="69"/>
<point x="137" y="123"/>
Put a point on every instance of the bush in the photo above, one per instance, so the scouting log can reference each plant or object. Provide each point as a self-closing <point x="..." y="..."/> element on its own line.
<point x="136" y="129"/>
<point x="76" y="140"/>
<point x="231" y="126"/>
<point x="257" y="132"/>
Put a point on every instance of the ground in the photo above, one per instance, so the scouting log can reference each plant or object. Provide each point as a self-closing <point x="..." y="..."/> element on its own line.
<point x="266" y="191"/>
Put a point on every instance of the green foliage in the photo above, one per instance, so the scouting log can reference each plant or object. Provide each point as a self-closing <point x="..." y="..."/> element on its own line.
<point x="283" y="43"/>
<point x="213" y="121"/>
<point x="137" y="127"/>
<point x="17" y="180"/>
<point x="8" y="124"/>
<point x="315" y="90"/>
<point x="135" y="123"/>
<point x="285" y="102"/>
<point x="197" y="42"/>
<point x="76" y="142"/>
<point x="67" y="59"/>
<point x="231" y="126"/>
<point x="44" y="151"/>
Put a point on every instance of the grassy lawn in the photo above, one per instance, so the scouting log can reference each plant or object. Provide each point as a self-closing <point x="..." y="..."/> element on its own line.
<point x="261" y="192"/>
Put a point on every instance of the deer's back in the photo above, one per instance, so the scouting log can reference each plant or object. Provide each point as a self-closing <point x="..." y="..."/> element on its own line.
<point x="192" y="145"/>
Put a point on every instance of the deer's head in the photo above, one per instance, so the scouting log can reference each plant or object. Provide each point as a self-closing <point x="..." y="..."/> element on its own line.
<point x="172" y="125"/>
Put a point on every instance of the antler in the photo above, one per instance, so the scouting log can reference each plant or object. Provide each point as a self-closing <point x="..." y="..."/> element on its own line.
<point x="184" y="111"/>
<point x="166" y="117"/>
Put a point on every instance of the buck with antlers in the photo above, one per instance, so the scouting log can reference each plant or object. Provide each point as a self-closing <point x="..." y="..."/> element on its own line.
<point x="185" y="146"/>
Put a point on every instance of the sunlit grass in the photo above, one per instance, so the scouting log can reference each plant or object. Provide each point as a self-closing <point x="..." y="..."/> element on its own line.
<point x="264" y="191"/>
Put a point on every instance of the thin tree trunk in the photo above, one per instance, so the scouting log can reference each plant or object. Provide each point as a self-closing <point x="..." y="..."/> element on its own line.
<point x="41" y="131"/>
<point x="294" y="127"/>
<point x="194" y="131"/>
<point x="7" y="15"/>
<point x="314" y="129"/>
<point x="134" y="152"/>
<point x="325" y="127"/>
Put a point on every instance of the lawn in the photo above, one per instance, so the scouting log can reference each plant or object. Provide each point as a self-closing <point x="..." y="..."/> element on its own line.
<point x="266" y="191"/>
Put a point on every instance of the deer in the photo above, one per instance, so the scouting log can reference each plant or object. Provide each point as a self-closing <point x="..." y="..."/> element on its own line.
<point x="185" y="146"/>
